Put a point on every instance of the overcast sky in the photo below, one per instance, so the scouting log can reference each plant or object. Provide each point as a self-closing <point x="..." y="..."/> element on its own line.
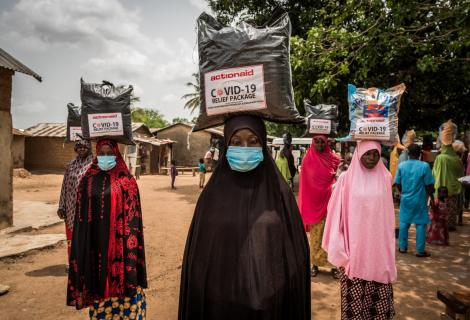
<point x="150" y="44"/>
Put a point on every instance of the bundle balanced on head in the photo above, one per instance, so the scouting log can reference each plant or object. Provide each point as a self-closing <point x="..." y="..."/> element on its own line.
<point x="246" y="255"/>
<point x="359" y="235"/>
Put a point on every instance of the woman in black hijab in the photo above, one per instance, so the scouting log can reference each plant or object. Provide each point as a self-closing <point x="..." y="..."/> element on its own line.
<point x="246" y="255"/>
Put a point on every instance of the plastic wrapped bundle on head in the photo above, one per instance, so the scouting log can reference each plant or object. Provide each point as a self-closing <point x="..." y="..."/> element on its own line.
<point x="459" y="147"/>
<point x="448" y="133"/>
<point x="408" y="138"/>
<point x="394" y="156"/>
<point x="245" y="70"/>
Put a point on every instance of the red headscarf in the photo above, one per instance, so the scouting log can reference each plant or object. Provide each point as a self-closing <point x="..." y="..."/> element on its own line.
<point x="107" y="256"/>
<point x="120" y="164"/>
<point x="316" y="180"/>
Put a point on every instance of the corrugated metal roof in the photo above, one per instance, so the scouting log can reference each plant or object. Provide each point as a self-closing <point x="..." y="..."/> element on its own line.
<point x="58" y="130"/>
<point x="19" y="132"/>
<point x="154" y="141"/>
<point x="9" y="62"/>
<point x="210" y="130"/>
<point x="138" y="125"/>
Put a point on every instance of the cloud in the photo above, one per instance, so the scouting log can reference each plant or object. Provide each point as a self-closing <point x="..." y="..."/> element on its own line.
<point x="68" y="22"/>
<point x="170" y="97"/>
<point x="29" y="107"/>
<point x="106" y="31"/>
<point x="200" y="4"/>
<point x="108" y="41"/>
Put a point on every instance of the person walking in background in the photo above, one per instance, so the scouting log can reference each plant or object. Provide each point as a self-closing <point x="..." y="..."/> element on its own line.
<point x="408" y="139"/>
<point x="447" y="170"/>
<point x="283" y="165"/>
<point x="461" y="151"/>
<point x="208" y="159"/>
<point x="394" y="156"/>
<point x="107" y="261"/>
<point x="173" y="173"/>
<point x="415" y="182"/>
<point x="467" y="188"/>
<point x="438" y="232"/>
<point x="202" y="173"/>
<point x="215" y="157"/>
<point x="345" y="163"/>
<point x="246" y="256"/>
<point x="291" y="162"/>
<point x="359" y="236"/>
<point x="317" y="178"/>
<point x="68" y="194"/>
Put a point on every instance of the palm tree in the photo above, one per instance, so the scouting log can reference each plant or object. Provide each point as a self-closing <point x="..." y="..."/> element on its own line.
<point x="134" y="98"/>
<point x="194" y="98"/>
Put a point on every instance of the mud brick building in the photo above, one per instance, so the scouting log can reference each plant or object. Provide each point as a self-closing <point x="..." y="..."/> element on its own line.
<point x="189" y="146"/>
<point x="8" y="66"/>
<point x="46" y="149"/>
<point x="17" y="148"/>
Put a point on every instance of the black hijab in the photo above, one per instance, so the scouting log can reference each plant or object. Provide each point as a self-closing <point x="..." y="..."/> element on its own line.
<point x="246" y="255"/>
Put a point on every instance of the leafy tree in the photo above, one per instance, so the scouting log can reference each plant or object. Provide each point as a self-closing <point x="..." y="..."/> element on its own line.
<point x="183" y="120"/>
<point x="150" y="117"/>
<point x="278" y="129"/>
<point x="193" y="98"/>
<point x="424" y="44"/>
<point x="179" y="120"/>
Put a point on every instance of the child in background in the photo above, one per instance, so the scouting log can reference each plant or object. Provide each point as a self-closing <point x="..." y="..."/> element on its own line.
<point x="202" y="173"/>
<point x="438" y="232"/>
<point x="173" y="173"/>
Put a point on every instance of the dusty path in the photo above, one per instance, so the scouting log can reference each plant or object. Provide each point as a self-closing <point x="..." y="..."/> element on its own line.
<point x="38" y="280"/>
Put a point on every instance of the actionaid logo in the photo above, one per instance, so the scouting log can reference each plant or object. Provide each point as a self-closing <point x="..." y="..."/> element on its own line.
<point x="229" y="75"/>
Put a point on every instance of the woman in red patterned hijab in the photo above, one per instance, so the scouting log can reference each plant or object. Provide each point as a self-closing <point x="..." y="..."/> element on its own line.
<point x="107" y="260"/>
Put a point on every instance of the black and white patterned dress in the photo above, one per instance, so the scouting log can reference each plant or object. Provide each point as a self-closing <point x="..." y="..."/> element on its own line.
<point x="364" y="300"/>
<point x="68" y="195"/>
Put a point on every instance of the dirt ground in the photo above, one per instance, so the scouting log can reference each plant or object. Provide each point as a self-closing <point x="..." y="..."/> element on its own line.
<point x="38" y="279"/>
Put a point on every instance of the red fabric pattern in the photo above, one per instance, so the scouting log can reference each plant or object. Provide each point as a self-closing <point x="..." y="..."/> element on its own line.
<point x="438" y="230"/>
<point x="119" y="204"/>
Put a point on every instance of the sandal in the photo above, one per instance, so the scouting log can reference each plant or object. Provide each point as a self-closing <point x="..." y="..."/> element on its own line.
<point x="423" y="255"/>
<point x="335" y="273"/>
<point x="314" y="271"/>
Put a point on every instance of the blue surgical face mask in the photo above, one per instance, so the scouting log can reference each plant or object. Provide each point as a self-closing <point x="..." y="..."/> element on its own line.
<point x="244" y="159"/>
<point x="106" y="163"/>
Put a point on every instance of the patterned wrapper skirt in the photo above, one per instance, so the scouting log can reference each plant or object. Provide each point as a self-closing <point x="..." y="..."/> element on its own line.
<point x="120" y="308"/>
<point x="361" y="299"/>
<point x="318" y="256"/>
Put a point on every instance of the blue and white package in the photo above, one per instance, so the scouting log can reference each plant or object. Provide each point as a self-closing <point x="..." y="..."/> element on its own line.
<point x="373" y="113"/>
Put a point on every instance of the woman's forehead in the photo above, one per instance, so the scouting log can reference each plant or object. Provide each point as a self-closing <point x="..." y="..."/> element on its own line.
<point x="244" y="131"/>
<point x="104" y="146"/>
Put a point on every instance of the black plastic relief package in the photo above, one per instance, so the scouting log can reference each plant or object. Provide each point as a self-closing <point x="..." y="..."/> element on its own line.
<point x="321" y="119"/>
<point x="106" y="111"/>
<point x="245" y="70"/>
<point x="74" y="123"/>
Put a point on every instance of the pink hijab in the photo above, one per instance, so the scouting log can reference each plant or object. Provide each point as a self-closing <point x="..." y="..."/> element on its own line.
<point x="359" y="232"/>
<point x="316" y="180"/>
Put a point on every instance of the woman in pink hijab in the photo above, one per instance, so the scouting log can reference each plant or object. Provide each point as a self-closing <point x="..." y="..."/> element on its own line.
<point x="316" y="181"/>
<point x="359" y="236"/>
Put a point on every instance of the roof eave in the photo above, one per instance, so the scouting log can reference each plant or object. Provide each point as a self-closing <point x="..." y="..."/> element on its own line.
<point x="13" y="64"/>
